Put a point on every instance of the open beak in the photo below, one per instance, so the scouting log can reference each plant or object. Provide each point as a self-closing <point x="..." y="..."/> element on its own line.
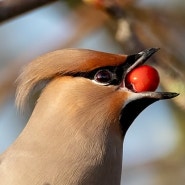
<point x="137" y="102"/>
<point x="138" y="59"/>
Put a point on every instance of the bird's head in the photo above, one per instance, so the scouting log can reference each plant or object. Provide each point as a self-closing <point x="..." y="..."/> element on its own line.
<point x="89" y="83"/>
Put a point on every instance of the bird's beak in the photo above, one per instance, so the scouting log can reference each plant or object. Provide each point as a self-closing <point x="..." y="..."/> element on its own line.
<point x="137" y="102"/>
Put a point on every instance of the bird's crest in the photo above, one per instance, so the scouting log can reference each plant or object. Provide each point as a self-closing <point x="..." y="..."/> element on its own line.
<point x="61" y="62"/>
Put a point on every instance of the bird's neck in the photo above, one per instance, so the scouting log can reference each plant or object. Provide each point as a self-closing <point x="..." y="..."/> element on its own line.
<point x="74" y="150"/>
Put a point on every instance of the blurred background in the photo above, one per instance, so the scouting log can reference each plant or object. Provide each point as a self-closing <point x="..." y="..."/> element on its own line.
<point x="154" y="147"/>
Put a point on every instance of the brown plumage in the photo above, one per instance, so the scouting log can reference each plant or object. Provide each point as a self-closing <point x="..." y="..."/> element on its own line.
<point x="75" y="133"/>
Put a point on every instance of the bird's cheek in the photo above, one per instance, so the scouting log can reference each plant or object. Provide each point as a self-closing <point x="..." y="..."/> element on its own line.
<point x="117" y="101"/>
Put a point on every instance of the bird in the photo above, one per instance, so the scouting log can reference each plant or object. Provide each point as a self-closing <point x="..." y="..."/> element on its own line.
<point x="77" y="127"/>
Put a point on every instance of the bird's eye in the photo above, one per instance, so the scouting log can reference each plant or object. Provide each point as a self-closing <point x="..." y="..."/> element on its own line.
<point x="103" y="76"/>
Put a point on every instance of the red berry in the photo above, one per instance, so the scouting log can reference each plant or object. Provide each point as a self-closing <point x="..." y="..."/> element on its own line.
<point x="142" y="78"/>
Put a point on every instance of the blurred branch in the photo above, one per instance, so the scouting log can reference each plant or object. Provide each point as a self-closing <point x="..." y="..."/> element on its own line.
<point x="83" y="28"/>
<point x="11" y="8"/>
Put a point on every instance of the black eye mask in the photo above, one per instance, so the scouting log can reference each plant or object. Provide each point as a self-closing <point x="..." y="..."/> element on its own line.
<point x="109" y="75"/>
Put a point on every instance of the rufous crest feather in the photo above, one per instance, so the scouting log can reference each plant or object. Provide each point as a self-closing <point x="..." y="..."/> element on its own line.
<point x="61" y="62"/>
